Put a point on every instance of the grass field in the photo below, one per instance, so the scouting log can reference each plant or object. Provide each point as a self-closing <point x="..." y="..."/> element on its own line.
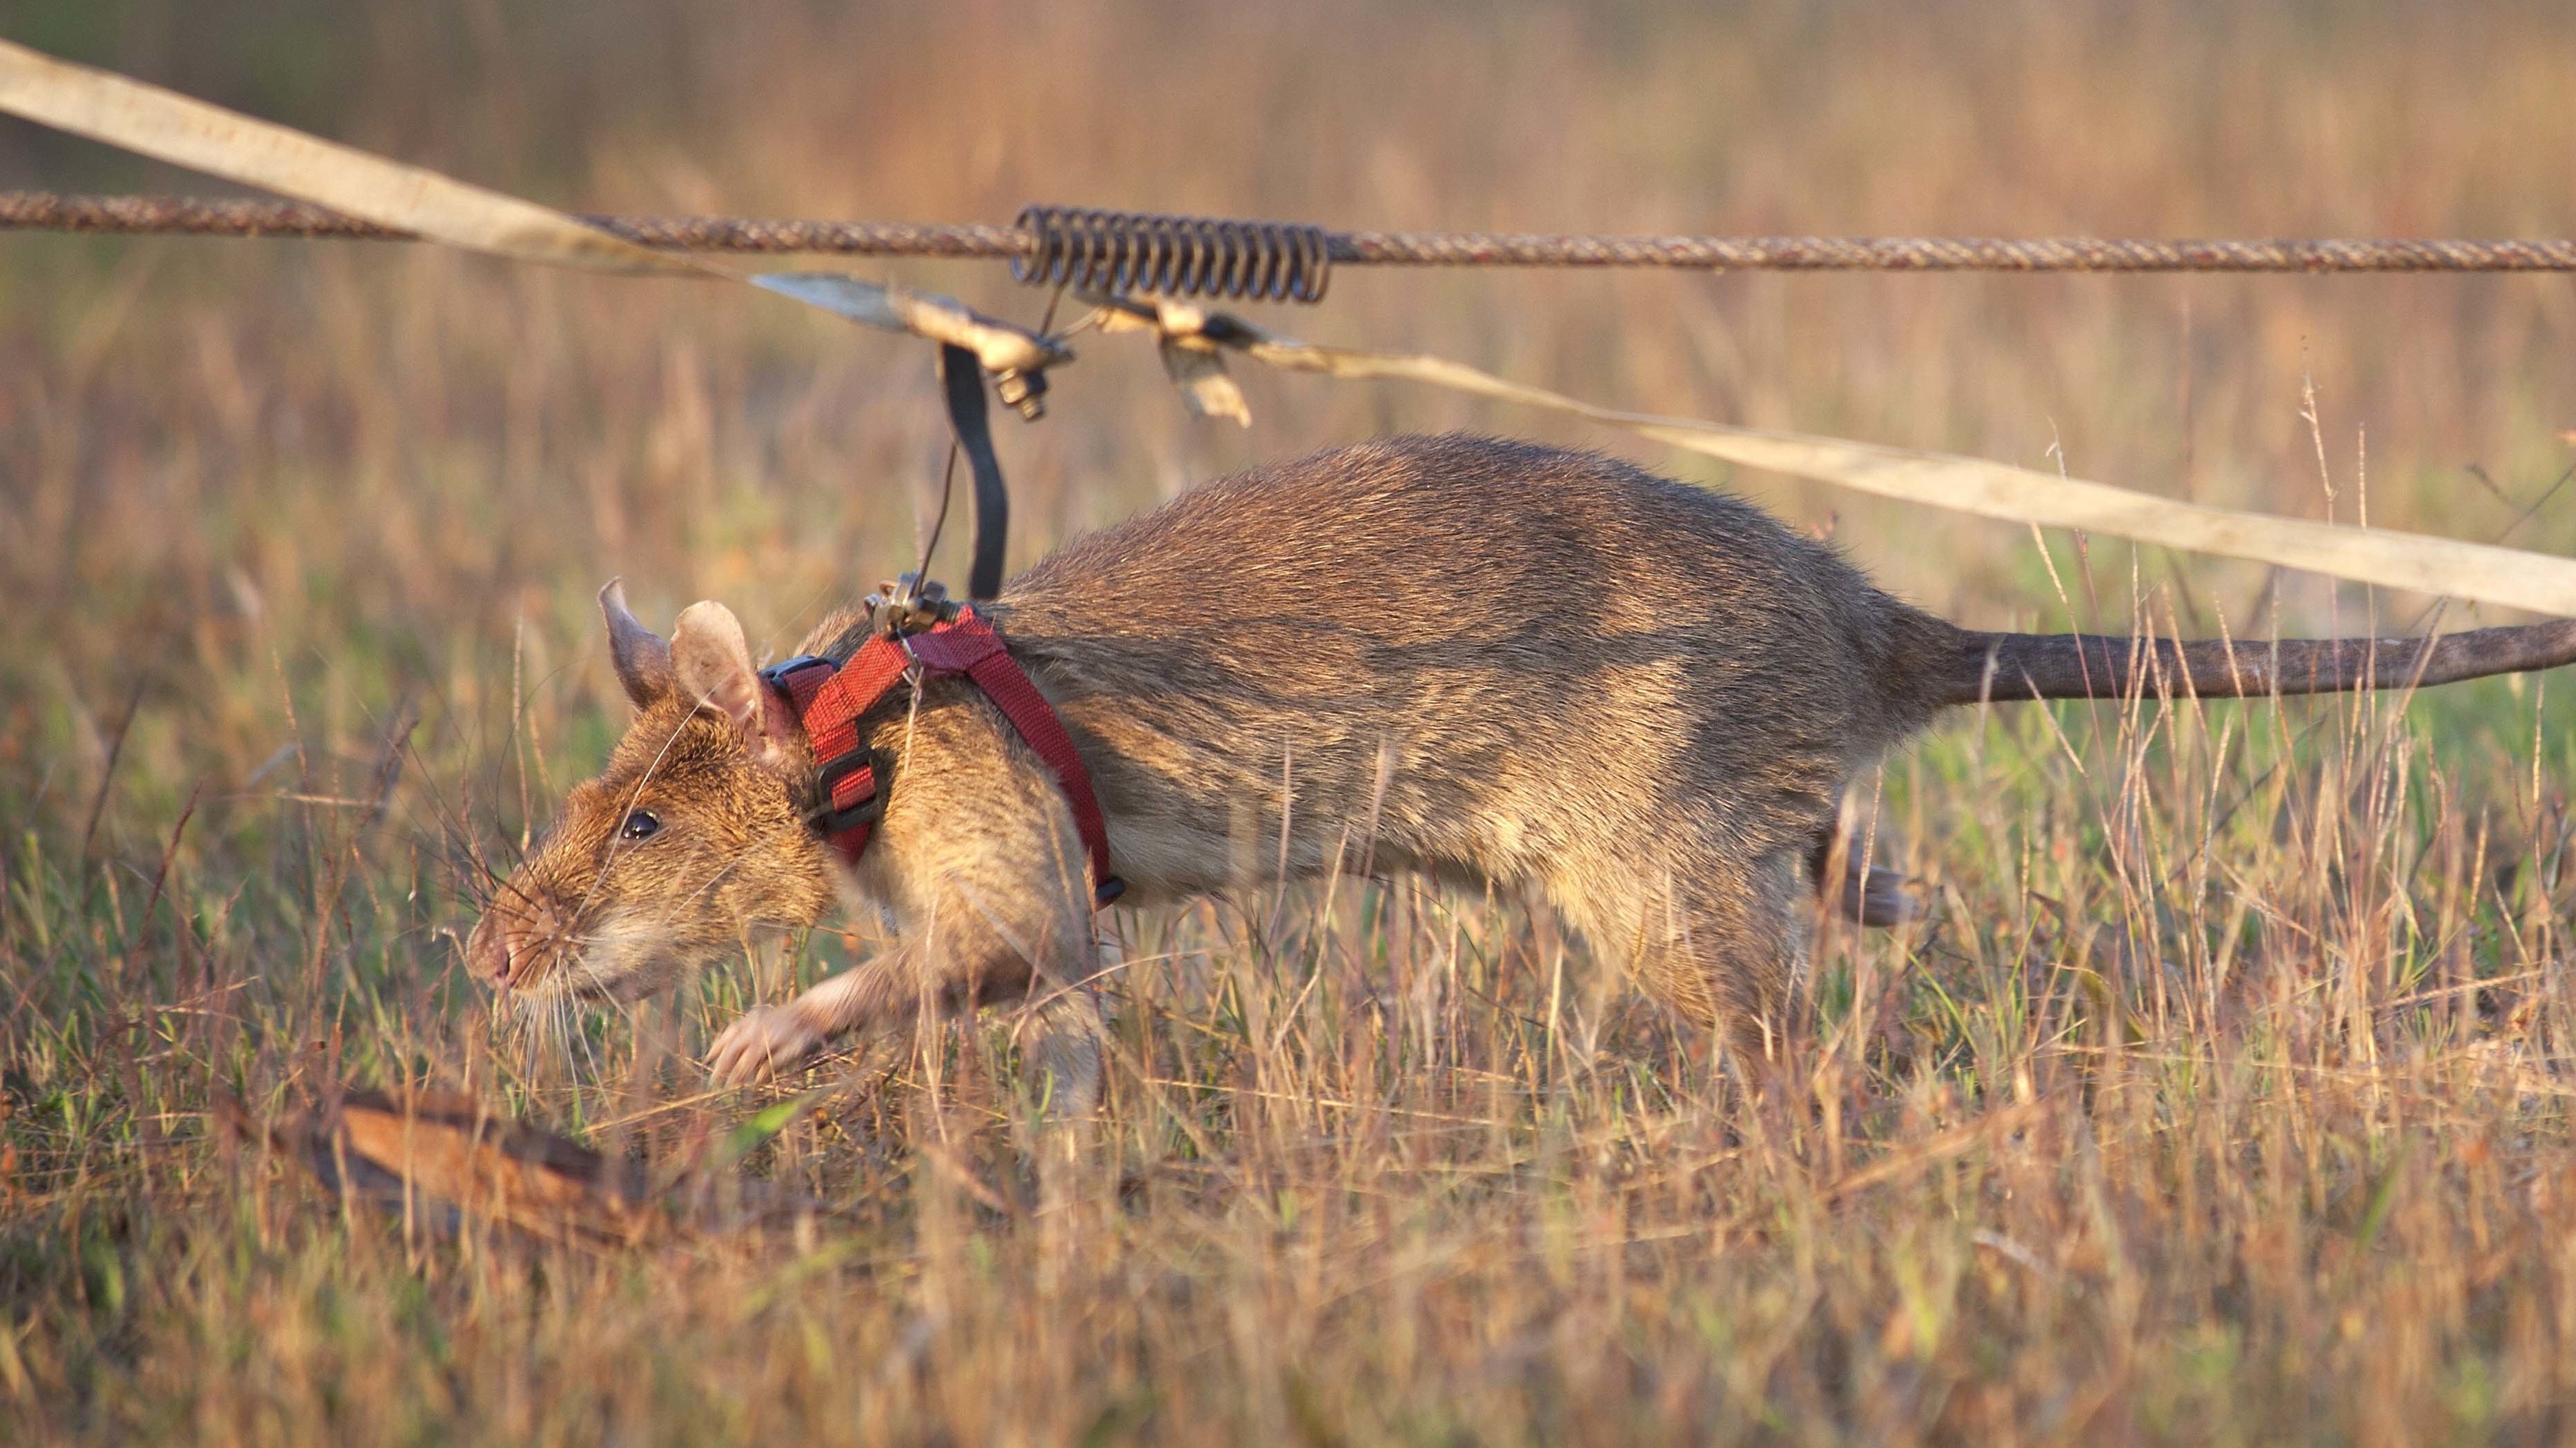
<point x="2221" y="1096"/>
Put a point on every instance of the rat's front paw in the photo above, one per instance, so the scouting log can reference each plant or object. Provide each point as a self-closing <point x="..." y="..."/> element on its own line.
<point x="766" y="1041"/>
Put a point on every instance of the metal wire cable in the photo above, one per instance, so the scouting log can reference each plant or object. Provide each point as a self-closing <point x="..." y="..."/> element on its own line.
<point x="132" y="215"/>
<point x="1932" y="253"/>
<point x="214" y="216"/>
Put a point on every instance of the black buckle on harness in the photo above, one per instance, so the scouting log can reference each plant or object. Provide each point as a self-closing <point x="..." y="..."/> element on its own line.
<point x="829" y="819"/>
<point x="880" y="770"/>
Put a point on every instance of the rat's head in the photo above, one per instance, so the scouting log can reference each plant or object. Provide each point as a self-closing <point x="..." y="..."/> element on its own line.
<point x="691" y="837"/>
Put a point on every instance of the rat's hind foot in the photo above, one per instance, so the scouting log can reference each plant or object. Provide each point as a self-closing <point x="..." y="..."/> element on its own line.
<point x="1880" y="899"/>
<point x="1875" y="896"/>
<point x="1064" y="1048"/>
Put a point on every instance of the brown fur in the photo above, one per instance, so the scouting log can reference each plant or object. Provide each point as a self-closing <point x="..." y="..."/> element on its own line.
<point x="1482" y="659"/>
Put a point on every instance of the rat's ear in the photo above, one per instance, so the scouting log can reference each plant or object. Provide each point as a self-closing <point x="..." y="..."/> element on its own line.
<point x="643" y="660"/>
<point x="712" y="663"/>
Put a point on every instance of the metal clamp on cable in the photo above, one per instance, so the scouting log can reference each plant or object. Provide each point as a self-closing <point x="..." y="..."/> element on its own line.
<point x="1174" y="256"/>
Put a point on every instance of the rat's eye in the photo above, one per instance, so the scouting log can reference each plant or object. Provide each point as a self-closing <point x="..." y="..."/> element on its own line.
<point x="640" y="825"/>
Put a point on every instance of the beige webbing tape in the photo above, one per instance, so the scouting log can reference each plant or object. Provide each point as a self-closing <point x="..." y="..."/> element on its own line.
<point x="187" y="132"/>
<point x="2442" y="566"/>
<point x="184" y="131"/>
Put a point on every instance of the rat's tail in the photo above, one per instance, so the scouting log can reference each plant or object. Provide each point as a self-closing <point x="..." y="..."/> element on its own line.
<point x="2004" y="667"/>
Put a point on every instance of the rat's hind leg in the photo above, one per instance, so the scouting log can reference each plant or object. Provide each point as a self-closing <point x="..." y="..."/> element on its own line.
<point x="1716" y="939"/>
<point x="1062" y="1039"/>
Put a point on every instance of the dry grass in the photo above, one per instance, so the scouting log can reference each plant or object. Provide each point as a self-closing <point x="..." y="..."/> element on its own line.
<point x="2221" y="1098"/>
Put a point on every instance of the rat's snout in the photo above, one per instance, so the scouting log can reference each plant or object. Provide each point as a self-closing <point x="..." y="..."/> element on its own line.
<point x="512" y="942"/>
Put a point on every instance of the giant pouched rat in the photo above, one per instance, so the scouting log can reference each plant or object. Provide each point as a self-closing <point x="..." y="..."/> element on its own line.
<point x="1482" y="659"/>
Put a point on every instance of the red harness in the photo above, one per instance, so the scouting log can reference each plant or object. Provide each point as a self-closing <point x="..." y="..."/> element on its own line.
<point x="855" y="780"/>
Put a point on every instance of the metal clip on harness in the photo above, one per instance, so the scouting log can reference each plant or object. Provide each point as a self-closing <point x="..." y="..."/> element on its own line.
<point x="908" y="605"/>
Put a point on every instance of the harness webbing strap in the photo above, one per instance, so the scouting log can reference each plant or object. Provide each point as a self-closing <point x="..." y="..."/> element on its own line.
<point x="969" y="646"/>
<point x="829" y="702"/>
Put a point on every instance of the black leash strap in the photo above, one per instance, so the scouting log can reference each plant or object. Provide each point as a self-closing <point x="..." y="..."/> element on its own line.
<point x="961" y="377"/>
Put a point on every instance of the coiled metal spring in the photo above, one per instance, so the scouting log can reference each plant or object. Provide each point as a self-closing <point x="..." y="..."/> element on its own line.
<point x="1174" y="256"/>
